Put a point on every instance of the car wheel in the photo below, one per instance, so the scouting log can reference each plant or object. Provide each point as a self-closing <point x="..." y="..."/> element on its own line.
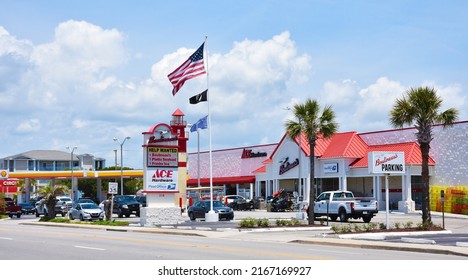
<point x="18" y="215"/>
<point x="343" y="216"/>
<point x="81" y="218"/>
<point x="191" y="216"/>
<point x="37" y="214"/>
<point x="366" y="219"/>
<point x="70" y="216"/>
<point x="138" y="214"/>
<point x="63" y="214"/>
<point x="127" y="215"/>
<point x="120" y="214"/>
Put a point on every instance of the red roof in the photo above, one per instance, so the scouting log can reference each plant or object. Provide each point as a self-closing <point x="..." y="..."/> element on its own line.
<point x="411" y="149"/>
<point x="261" y="169"/>
<point x="178" y="113"/>
<point x="345" y="144"/>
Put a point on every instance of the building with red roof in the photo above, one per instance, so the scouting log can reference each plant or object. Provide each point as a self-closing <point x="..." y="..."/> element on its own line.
<point x="341" y="163"/>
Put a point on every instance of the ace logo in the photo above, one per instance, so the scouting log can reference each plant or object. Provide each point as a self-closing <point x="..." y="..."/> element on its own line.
<point x="161" y="173"/>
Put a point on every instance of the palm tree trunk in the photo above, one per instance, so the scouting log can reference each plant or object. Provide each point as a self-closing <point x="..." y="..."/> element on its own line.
<point x="426" y="213"/>
<point x="311" y="213"/>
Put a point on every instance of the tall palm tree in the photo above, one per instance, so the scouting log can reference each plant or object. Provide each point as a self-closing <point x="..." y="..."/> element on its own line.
<point x="313" y="122"/>
<point x="49" y="194"/>
<point x="420" y="107"/>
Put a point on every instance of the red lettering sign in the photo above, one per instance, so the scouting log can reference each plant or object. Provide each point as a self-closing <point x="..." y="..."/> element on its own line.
<point x="162" y="173"/>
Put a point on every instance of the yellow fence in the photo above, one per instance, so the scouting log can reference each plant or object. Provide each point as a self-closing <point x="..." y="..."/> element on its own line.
<point x="456" y="199"/>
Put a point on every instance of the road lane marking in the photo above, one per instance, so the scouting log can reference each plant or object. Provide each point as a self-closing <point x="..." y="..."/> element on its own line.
<point x="6" y="238"/>
<point x="90" y="248"/>
<point x="177" y="244"/>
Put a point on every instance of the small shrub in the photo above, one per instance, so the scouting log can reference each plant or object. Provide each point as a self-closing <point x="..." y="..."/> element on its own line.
<point x="346" y="228"/>
<point x="408" y="224"/>
<point x="382" y="226"/>
<point x="357" y="228"/>
<point x="322" y="221"/>
<point x="396" y="225"/>
<point x="372" y="226"/>
<point x="263" y="223"/>
<point x="281" y="222"/>
<point x="335" y="228"/>
<point x="110" y="223"/>
<point x="247" y="223"/>
<point x="295" y="222"/>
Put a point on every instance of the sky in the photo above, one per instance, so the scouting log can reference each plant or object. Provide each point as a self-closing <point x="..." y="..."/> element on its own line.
<point x="81" y="72"/>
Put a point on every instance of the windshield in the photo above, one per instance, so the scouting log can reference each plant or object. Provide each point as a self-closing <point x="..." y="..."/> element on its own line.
<point x="65" y="199"/>
<point x="126" y="198"/>
<point x="89" y="206"/>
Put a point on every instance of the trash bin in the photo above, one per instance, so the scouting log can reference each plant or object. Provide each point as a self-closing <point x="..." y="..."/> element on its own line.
<point x="268" y="207"/>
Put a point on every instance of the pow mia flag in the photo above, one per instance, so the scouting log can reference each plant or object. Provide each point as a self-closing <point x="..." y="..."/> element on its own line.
<point x="199" y="97"/>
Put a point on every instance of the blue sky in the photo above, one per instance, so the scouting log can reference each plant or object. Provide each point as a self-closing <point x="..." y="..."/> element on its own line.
<point x="79" y="73"/>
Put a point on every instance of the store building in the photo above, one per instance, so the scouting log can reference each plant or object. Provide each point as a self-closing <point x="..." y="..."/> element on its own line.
<point x="232" y="170"/>
<point x="341" y="163"/>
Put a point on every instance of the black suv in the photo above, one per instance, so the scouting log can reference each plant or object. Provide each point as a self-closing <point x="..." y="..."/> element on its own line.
<point x="125" y="205"/>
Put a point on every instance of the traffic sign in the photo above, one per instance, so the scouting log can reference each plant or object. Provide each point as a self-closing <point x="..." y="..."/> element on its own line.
<point x="113" y="187"/>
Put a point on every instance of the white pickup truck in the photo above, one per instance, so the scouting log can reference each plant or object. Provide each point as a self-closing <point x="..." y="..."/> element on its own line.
<point x="343" y="205"/>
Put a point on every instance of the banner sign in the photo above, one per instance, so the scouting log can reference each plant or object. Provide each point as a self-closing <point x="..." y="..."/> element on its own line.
<point x="386" y="162"/>
<point x="161" y="179"/>
<point x="162" y="157"/>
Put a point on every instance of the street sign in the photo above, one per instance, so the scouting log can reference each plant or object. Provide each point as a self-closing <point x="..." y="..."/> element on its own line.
<point x="112" y="188"/>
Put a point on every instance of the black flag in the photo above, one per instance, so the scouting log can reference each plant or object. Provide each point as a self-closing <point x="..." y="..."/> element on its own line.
<point x="199" y="97"/>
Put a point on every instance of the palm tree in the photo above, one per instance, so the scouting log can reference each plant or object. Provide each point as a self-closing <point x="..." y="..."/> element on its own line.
<point x="49" y="193"/>
<point x="420" y="107"/>
<point x="313" y="122"/>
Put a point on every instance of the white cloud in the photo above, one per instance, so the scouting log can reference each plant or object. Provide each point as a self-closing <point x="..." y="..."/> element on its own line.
<point x="31" y="125"/>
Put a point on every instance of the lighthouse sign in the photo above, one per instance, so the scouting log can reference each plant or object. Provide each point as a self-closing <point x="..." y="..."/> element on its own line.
<point x="386" y="162"/>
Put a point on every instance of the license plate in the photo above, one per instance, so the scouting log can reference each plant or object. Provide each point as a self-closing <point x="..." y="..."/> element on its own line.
<point x="365" y="212"/>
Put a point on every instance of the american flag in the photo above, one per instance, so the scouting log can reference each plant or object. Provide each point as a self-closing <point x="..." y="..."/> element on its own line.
<point x="191" y="68"/>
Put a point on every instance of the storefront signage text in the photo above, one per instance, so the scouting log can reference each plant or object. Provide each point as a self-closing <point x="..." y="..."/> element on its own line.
<point x="247" y="153"/>
<point x="386" y="162"/>
<point x="162" y="157"/>
<point x="286" y="165"/>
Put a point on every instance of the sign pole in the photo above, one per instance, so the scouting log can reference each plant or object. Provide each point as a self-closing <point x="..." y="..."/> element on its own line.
<point x="387" y="219"/>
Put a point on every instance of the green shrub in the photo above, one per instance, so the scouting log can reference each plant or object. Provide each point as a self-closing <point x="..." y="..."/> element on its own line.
<point x="382" y="226"/>
<point x="263" y="223"/>
<point x="248" y="223"/>
<point x="409" y="224"/>
<point x="110" y="223"/>
<point x="372" y="226"/>
<point x="281" y="222"/>
<point x="357" y="227"/>
<point x="335" y="228"/>
<point x="396" y="225"/>
<point x="295" y="222"/>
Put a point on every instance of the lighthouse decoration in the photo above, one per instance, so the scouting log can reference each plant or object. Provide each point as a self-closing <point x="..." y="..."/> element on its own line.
<point x="165" y="168"/>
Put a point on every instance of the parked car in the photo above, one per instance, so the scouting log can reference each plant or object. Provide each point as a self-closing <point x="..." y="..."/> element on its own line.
<point x="84" y="200"/>
<point x="11" y="209"/>
<point x="126" y="205"/>
<point x="27" y="208"/>
<point x="86" y="211"/>
<point x="141" y="199"/>
<point x="238" y="202"/>
<point x="200" y="208"/>
<point x="60" y="208"/>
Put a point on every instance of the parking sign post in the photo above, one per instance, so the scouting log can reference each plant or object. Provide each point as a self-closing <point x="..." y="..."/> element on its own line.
<point x="112" y="190"/>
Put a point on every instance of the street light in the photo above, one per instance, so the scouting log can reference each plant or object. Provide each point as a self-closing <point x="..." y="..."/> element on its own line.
<point x="121" y="161"/>
<point x="71" y="167"/>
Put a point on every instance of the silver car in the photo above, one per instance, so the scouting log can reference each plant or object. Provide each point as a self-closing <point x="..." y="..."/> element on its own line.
<point x="86" y="211"/>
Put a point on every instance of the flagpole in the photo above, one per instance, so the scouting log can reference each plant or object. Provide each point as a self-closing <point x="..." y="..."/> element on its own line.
<point x="198" y="155"/>
<point x="211" y="216"/>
